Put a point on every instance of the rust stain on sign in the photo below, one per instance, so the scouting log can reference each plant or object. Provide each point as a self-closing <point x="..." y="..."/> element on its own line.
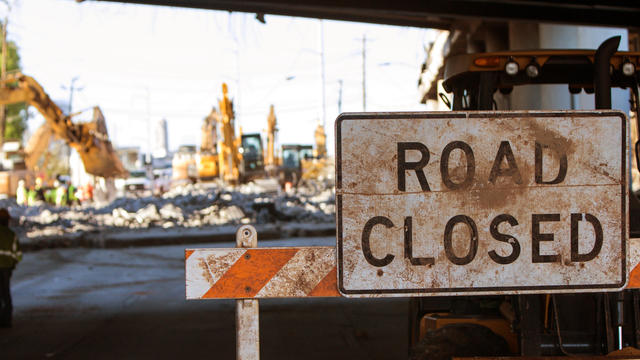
<point x="481" y="202"/>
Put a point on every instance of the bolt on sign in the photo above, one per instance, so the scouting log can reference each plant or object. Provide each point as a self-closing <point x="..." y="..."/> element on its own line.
<point x="481" y="202"/>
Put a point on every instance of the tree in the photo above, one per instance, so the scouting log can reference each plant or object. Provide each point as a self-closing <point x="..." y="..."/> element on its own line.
<point x="16" y="113"/>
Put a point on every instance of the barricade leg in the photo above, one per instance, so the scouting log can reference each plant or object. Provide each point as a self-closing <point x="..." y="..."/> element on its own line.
<point x="247" y="310"/>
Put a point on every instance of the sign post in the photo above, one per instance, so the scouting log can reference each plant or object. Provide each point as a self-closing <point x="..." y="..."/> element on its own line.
<point x="247" y="310"/>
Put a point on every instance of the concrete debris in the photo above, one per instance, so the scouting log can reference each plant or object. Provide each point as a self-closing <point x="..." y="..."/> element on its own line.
<point x="190" y="207"/>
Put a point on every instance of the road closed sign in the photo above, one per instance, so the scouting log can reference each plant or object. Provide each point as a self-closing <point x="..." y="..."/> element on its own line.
<point x="481" y="202"/>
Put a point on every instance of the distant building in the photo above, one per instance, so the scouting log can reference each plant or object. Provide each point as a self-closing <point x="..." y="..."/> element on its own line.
<point x="161" y="147"/>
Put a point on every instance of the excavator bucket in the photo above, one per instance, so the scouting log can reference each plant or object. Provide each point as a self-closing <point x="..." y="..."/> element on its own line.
<point x="97" y="153"/>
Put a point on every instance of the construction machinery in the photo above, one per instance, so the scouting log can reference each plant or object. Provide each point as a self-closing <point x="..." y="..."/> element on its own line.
<point x="320" y="152"/>
<point x="90" y="140"/>
<point x="294" y="156"/>
<point x="270" y="159"/>
<point x="305" y="162"/>
<point x="207" y="158"/>
<point x="217" y="157"/>
<point x="233" y="158"/>
<point x="242" y="157"/>
<point x="319" y="165"/>
<point x="539" y="324"/>
<point x="229" y="156"/>
<point x="253" y="157"/>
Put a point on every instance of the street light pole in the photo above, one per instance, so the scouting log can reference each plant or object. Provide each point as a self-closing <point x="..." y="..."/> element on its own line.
<point x="71" y="90"/>
<point x="340" y="97"/>
<point x="324" y="101"/>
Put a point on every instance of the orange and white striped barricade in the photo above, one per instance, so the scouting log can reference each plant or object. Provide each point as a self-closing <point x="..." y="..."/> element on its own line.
<point x="261" y="273"/>
<point x="247" y="273"/>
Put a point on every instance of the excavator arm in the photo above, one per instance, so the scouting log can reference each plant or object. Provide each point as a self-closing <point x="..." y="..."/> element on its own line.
<point x="270" y="158"/>
<point x="91" y="140"/>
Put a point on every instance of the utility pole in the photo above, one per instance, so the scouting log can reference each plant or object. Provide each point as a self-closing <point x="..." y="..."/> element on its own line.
<point x="148" y="159"/>
<point x="364" y="72"/>
<point x="324" y="103"/>
<point x="340" y="97"/>
<point x="72" y="89"/>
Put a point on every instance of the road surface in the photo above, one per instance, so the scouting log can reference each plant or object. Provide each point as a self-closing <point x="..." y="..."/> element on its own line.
<point x="129" y="304"/>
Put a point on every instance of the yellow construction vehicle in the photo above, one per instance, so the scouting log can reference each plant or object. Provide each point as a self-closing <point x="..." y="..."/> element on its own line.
<point x="90" y="140"/>
<point x="207" y="157"/>
<point x="320" y="151"/>
<point x="295" y="158"/>
<point x="235" y="158"/>
<point x="317" y="166"/>
<point x="270" y="159"/>
<point x="304" y="162"/>
<point x="229" y="156"/>
<point x="243" y="158"/>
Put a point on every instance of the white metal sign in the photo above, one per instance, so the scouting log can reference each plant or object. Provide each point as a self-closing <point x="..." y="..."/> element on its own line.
<point x="481" y="202"/>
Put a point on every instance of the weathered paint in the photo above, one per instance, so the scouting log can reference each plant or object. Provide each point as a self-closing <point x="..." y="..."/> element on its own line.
<point x="368" y="187"/>
<point x="247" y="329"/>
<point x="260" y="273"/>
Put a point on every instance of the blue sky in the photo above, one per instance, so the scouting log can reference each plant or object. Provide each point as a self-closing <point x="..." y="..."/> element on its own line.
<point x="143" y="63"/>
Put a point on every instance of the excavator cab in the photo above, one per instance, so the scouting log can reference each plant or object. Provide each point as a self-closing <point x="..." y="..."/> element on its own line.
<point x="292" y="158"/>
<point x="539" y="324"/>
<point x="252" y="157"/>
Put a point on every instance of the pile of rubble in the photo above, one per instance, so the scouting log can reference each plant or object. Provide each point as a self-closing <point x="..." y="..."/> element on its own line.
<point x="184" y="207"/>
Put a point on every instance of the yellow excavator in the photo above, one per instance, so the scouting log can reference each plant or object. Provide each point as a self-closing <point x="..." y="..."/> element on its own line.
<point x="317" y="166"/>
<point x="236" y="158"/>
<point x="207" y="157"/>
<point x="242" y="158"/>
<point x="270" y="159"/>
<point x="229" y="156"/>
<point x="90" y="139"/>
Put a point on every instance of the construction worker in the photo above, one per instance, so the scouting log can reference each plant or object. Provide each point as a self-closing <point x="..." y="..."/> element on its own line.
<point x="60" y="193"/>
<point x="72" y="195"/>
<point x="35" y="196"/>
<point x="10" y="255"/>
<point x="21" y="193"/>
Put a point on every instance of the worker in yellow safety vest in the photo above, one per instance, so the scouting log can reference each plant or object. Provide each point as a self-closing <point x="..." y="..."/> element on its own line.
<point x="10" y="255"/>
